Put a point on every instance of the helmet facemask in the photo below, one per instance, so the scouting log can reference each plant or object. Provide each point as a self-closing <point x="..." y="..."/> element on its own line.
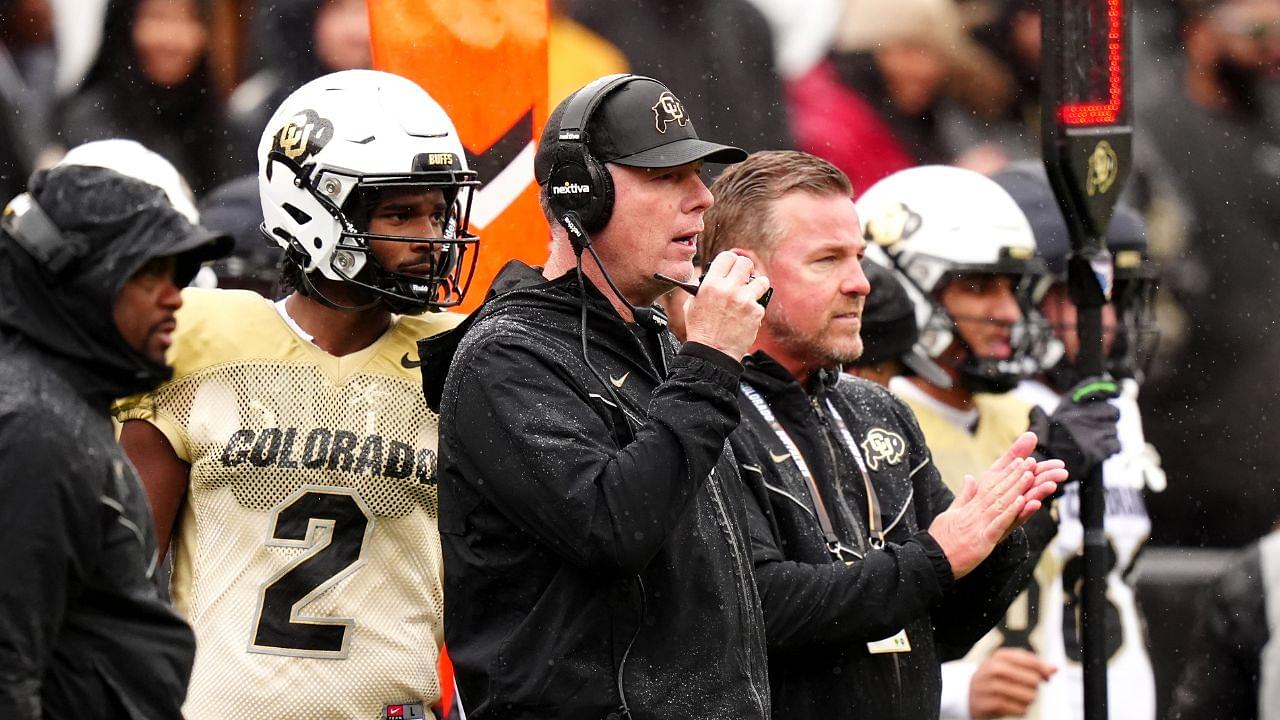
<point x="1135" y="337"/>
<point x="349" y="197"/>
<point x="1137" y="334"/>
<point x="1029" y="336"/>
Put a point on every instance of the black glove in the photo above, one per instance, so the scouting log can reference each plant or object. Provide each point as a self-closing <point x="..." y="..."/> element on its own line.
<point x="1082" y="431"/>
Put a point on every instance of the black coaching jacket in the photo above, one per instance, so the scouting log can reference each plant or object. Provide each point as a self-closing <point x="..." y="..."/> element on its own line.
<point x="84" y="632"/>
<point x="821" y="612"/>
<point x="596" y="557"/>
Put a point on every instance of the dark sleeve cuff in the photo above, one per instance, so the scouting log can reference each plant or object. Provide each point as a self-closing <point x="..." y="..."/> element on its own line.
<point x="941" y="565"/>
<point x="713" y="356"/>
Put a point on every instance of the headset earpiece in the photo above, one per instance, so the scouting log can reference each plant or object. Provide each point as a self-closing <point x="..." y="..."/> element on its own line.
<point x="32" y="229"/>
<point x="578" y="183"/>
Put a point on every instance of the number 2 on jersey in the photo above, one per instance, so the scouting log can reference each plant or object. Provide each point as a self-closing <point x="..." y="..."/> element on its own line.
<point x="332" y="525"/>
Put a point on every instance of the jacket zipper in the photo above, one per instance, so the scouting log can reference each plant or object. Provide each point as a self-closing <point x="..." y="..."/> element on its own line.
<point x="831" y="452"/>
<point x="744" y="572"/>
<point x="859" y="531"/>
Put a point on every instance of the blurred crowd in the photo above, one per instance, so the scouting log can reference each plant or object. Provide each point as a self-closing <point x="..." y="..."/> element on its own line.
<point x="874" y="86"/>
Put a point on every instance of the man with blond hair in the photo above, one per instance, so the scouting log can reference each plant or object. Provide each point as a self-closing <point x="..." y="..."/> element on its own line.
<point x="870" y="572"/>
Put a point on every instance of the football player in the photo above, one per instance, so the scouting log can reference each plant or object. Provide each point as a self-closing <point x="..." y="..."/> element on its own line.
<point x="1128" y="335"/>
<point x="967" y="256"/>
<point x="292" y="459"/>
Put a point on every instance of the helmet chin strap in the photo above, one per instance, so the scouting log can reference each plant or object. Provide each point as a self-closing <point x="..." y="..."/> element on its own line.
<point x="982" y="375"/>
<point x="314" y="291"/>
<point x="980" y="378"/>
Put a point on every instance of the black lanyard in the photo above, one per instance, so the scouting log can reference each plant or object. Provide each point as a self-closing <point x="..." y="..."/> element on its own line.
<point x="874" y="523"/>
<point x="834" y="546"/>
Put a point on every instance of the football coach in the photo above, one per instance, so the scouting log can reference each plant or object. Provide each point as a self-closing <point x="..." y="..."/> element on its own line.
<point x="596" y="562"/>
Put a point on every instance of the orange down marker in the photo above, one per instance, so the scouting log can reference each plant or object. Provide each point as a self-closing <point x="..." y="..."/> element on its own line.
<point x="485" y="62"/>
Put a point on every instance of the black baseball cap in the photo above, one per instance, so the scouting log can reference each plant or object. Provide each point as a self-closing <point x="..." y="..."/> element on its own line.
<point x="889" y="330"/>
<point x="640" y="123"/>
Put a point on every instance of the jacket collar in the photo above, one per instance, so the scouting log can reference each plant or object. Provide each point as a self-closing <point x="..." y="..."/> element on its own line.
<point x="776" y="383"/>
<point x="521" y="285"/>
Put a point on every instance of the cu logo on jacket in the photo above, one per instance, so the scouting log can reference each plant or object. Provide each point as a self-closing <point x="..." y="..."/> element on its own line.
<point x="882" y="446"/>
<point x="668" y="110"/>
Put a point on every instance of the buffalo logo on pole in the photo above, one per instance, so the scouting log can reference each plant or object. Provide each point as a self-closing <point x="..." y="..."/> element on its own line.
<point x="1104" y="168"/>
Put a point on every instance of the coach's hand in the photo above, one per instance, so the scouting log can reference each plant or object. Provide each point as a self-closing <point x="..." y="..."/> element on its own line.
<point x="724" y="314"/>
<point x="989" y="508"/>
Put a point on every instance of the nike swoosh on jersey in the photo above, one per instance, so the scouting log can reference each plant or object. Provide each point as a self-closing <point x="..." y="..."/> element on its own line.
<point x="780" y="458"/>
<point x="407" y="363"/>
<point x="618" y="381"/>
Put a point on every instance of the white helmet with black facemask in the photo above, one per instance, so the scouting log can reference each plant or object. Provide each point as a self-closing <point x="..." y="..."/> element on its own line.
<point x="328" y="154"/>
<point x="933" y="224"/>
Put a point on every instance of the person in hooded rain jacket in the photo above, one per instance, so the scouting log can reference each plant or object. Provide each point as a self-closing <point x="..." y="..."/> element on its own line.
<point x="152" y="81"/>
<point x="90" y="265"/>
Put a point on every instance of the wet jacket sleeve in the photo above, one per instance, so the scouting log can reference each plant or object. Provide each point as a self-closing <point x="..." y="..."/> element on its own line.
<point x="978" y="600"/>
<point x="1220" y="679"/>
<point x="821" y="604"/>
<point x="975" y="603"/>
<point x="47" y="527"/>
<point x="547" y="458"/>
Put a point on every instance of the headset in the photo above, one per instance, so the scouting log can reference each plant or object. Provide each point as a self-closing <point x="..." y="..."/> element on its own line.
<point x="579" y="186"/>
<point x="580" y="189"/>
<point x="32" y="229"/>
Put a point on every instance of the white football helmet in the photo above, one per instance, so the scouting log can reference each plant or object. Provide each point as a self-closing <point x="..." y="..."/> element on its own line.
<point x="325" y="155"/>
<point x="933" y="223"/>
<point x="128" y="157"/>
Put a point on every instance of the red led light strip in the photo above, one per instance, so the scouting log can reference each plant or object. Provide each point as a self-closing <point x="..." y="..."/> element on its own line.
<point x="1097" y="113"/>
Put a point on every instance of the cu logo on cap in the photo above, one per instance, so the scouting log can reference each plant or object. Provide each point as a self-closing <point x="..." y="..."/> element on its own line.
<point x="668" y="110"/>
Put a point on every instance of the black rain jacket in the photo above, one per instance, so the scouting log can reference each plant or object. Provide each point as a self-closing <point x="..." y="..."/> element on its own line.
<point x="1223" y="675"/>
<point x="821" y="613"/>
<point x="595" y="556"/>
<point x="84" y="632"/>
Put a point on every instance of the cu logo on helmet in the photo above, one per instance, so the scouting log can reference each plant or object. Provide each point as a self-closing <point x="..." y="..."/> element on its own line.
<point x="882" y="446"/>
<point x="303" y="135"/>
<point x="894" y="223"/>
<point x="668" y="110"/>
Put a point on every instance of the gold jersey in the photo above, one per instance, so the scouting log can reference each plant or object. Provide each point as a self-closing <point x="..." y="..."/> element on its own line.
<point x="307" y="553"/>
<point x="958" y="452"/>
<point x="955" y="450"/>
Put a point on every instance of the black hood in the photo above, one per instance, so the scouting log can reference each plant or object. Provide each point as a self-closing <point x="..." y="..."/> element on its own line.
<point x="436" y="352"/>
<point x="118" y="223"/>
